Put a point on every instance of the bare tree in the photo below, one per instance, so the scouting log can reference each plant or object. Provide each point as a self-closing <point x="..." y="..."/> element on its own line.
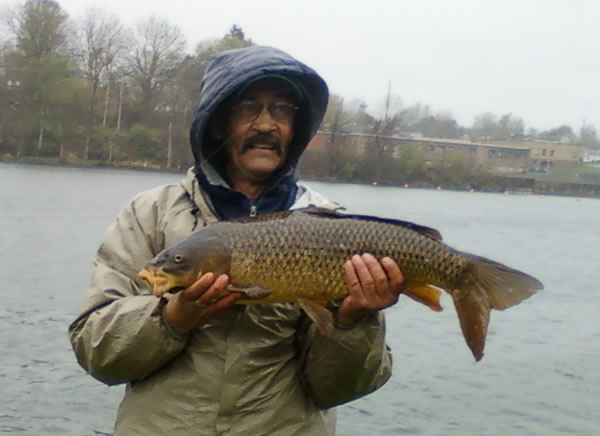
<point x="487" y="127"/>
<point x="442" y="125"/>
<point x="39" y="27"/>
<point x="509" y="127"/>
<point x="336" y="125"/>
<point x="516" y="127"/>
<point x="588" y="136"/>
<point x="483" y="127"/>
<point x="102" y="41"/>
<point x="156" y="52"/>
<point x="383" y="129"/>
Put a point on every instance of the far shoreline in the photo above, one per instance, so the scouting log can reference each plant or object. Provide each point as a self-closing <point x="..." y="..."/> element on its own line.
<point x="560" y="189"/>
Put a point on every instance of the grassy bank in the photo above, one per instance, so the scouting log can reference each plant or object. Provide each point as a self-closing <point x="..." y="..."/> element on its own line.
<point x="578" y="174"/>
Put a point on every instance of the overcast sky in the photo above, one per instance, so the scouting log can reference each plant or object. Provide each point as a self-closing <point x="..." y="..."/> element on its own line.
<point x="539" y="60"/>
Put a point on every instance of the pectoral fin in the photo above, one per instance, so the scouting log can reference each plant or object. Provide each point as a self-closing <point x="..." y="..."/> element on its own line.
<point x="251" y="292"/>
<point x="322" y="317"/>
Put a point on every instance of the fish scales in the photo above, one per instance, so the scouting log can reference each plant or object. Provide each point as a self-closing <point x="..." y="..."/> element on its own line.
<point x="303" y="255"/>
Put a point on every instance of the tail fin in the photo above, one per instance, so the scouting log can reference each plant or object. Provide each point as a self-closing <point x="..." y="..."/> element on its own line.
<point x="487" y="285"/>
<point x="505" y="286"/>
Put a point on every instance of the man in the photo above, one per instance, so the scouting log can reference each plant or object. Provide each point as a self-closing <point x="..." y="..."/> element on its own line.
<point x="195" y="362"/>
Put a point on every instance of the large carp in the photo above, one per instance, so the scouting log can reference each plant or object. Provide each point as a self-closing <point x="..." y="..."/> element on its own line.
<point x="298" y="256"/>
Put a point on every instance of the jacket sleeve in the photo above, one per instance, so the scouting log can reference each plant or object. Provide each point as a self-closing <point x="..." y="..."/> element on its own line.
<point x="346" y="365"/>
<point x="120" y="335"/>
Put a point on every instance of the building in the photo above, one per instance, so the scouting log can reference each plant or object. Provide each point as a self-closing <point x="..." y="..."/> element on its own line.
<point x="546" y="155"/>
<point x="592" y="157"/>
<point x="500" y="156"/>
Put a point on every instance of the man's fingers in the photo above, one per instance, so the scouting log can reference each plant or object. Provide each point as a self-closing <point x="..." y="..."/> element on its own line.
<point x="378" y="275"/>
<point x="353" y="280"/>
<point x="379" y="282"/>
<point x="217" y="307"/>
<point x="372" y="286"/>
<point x="214" y="291"/>
<point x="199" y="287"/>
<point x="223" y="303"/>
<point x="367" y="281"/>
<point x="202" y="300"/>
<point x="394" y="274"/>
<point x="350" y="275"/>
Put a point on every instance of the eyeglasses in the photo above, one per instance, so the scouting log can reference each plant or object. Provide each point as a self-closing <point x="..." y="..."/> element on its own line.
<point x="248" y="111"/>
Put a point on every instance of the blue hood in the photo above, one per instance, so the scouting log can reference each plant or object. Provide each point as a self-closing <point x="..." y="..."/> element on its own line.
<point x="228" y="72"/>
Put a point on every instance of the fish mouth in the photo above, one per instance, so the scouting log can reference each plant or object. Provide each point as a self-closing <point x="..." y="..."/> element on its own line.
<point x="158" y="280"/>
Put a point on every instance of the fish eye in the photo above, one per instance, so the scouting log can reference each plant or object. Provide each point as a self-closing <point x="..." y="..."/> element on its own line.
<point x="178" y="258"/>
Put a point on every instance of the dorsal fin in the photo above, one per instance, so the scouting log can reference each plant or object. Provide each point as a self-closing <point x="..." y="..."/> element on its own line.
<point x="328" y="213"/>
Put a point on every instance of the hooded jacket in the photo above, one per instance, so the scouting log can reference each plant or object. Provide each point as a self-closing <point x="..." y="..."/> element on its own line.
<point x="257" y="370"/>
<point x="225" y="76"/>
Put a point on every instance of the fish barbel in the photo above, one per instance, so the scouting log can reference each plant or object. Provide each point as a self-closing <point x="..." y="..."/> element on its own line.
<point x="298" y="256"/>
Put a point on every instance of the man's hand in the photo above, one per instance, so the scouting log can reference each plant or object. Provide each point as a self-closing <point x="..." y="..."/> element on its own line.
<point x="203" y="300"/>
<point x="372" y="286"/>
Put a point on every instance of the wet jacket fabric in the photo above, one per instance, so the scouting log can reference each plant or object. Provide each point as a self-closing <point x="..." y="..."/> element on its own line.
<point x="257" y="370"/>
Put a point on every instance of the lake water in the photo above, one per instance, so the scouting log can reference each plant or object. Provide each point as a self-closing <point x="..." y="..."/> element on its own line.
<point x="540" y="374"/>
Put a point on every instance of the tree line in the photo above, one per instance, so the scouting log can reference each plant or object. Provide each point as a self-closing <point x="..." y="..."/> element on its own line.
<point x="94" y="90"/>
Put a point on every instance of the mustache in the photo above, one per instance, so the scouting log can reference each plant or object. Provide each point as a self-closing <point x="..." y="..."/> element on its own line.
<point x="266" y="139"/>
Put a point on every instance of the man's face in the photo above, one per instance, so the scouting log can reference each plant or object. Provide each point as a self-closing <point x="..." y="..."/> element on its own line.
<point x="258" y="131"/>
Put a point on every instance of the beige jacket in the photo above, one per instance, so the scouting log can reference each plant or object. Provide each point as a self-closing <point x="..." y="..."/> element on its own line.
<point x="259" y="370"/>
